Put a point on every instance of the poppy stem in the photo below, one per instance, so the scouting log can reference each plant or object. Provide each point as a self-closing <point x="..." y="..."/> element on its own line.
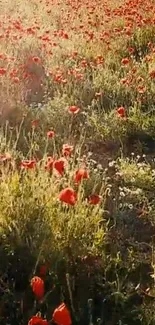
<point x="32" y="144"/>
<point x="19" y="132"/>
<point x="46" y="147"/>
<point x="90" y="309"/>
<point x="70" y="128"/>
<point x="38" y="258"/>
<point x="70" y="293"/>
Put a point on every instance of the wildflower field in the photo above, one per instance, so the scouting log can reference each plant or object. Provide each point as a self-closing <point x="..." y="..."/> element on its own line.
<point x="77" y="162"/>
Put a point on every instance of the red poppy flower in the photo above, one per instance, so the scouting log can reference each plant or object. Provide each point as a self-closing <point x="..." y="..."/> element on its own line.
<point x="131" y="50"/>
<point x="74" y="109"/>
<point x="37" y="320"/>
<point x="37" y="287"/>
<point x="75" y="53"/>
<point x="2" y="56"/>
<point x="65" y="35"/>
<point x="36" y="59"/>
<point x="124" y="81"/>
<point x="94" y="199"/>
<point x="61" y="315"/>
<point x="121" y="111"/>
<point x="59" y="165"/>
<point x="50" y="134"/>
<point x="141" y="89"/>
<point x="49" y="163"/>
<point x="67" y="149"/>
<point x="152" y="74"/>
<point x="2" y="71"/>
<point x="28" y="164"/>
<point x="68" y="195"/>
<point x="81" y="174"/>
<point x="16" y="80"/>
<point x="125" y="61"/>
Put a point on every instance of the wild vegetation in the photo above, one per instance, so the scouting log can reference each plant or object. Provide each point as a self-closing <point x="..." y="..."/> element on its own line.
<point x="77" y="162"/>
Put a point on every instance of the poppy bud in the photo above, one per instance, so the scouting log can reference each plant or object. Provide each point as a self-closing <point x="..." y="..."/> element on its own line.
<point x="94" y="199"/>
<point x="35" y="123"/>
<point x="49" y="163"/>
<point x="81" y="174"/>
<point x="67" y="149"/>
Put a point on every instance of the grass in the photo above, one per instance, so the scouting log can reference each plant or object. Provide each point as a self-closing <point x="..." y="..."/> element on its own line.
<point x="96" y="240"/>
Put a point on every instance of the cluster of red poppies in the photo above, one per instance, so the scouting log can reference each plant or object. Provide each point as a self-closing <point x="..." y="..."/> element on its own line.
<point x="94" y="26"/>
<point x="67" y="195"/>
<point x="61" y="315"/>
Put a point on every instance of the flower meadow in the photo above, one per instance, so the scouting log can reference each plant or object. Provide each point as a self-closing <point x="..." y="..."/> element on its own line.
<point x="77" y="162"/>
